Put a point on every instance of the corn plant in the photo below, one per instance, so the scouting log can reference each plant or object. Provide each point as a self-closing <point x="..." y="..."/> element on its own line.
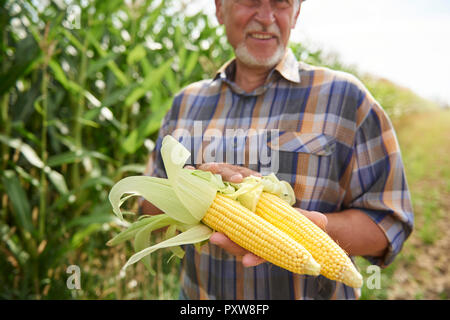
<point x="83" y="88"/>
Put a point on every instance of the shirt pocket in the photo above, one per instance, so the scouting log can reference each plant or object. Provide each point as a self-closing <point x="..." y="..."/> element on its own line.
<point x="308" y="162"/>
<point x="319" y="144"/>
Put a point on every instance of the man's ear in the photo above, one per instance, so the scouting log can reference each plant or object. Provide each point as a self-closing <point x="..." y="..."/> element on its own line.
<point x="219" y="11"/>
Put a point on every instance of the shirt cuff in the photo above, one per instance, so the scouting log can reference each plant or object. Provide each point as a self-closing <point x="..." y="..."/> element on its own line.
<point x="395" y="230"/>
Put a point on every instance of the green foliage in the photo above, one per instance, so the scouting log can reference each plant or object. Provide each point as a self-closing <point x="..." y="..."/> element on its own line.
<point x="81" y="97"/>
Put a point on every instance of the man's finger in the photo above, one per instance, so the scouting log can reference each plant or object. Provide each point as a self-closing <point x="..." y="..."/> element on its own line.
<point x="231" y="175"/>
<point x="229" y="172"/>
<point x="251" y="260"/>
<point x="221" y="240"/>
<point x="213" y="167"/>
<point x="248" y="259"/>
<point x="248" y="172"/>
<point x="318" y="218"/>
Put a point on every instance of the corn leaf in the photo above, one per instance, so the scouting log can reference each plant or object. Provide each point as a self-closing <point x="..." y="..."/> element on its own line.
<point x="249" y="190"/>
<point x="27" y="57"/>
<point x="155" y="77"/>
<point x="70" y="85"/>
<point x="91" y="219"/>
<point x="195" y="234"/>
<point x="191" y="63"/>
<point x="136" y="54"/>
<point x="79" y="237"/>
<point x="177" y="251"/>
<point x="143" y="234"/>
<point x="142" y="241"/>
<point x="150" y="125"/>
<point x="100" y="63"/>
<point x="138" y="168"/>
<point x="155" y="190"/>
<point x="250" y="199"/>
<point x="281" y="188"/>
<point x="58" y="181"/>
<point x="23" y="148"/>
<point x="111" y="64"/>
<point x="75" y="156"/>
<point x="194" y="192"/>
<point x="19" y="200"/>
<point x="130" y="232"/>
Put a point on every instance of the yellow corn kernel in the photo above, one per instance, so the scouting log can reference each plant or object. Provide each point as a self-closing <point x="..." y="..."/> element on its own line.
<point x="258" y="236"/>
<point x="335" y="263"/>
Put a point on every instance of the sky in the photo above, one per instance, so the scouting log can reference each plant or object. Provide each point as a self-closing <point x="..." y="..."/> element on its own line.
<point x="405" y="41"/>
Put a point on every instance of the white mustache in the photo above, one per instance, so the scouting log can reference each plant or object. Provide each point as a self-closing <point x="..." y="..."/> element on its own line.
<point x="254" y="26"/>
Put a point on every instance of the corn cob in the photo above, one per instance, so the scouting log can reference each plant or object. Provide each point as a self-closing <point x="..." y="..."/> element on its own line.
<point x="189" y="197"/>
<point x="258" y="236"/>
<point x="335" y="263"/>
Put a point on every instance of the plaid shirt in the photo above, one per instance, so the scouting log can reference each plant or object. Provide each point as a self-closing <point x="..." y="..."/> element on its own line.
<point x="320" y="130"/>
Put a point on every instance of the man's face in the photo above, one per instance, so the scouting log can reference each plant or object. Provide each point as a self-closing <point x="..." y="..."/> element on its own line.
<point x="258" y="30"/>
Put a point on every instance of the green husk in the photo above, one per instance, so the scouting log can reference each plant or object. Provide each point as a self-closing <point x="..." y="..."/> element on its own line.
<point x="195" y="234"/>
<point x="177" y="251"/>
<point x="157" y="221"/>
<point x="250" y="189"/>
<point x="156" y="190"/>
<point x="195" y="193"/>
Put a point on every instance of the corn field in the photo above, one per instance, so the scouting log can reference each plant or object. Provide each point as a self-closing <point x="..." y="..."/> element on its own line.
<point x="84" y="86"/>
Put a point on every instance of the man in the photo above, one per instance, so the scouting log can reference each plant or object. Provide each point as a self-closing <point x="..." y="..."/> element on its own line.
<point x="331" y="140"/>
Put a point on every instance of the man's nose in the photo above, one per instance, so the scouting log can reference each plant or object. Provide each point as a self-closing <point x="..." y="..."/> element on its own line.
<point x="265" y="13"/>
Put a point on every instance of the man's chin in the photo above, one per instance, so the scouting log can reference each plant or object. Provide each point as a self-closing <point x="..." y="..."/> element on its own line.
<point x="251" y="60"/>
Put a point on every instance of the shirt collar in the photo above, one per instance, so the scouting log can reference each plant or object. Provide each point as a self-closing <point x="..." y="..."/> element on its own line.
<point x="288" y="68"/>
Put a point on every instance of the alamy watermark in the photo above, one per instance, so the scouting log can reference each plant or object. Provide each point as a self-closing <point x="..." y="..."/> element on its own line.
<point x="73" y="17"/>
<point x="373" y="281"/>
<point x="74" y="280"/>
<point x="256" y="148"/>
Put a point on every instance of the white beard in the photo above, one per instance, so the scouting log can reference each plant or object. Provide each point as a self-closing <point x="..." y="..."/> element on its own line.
<point x="242" y="53"/>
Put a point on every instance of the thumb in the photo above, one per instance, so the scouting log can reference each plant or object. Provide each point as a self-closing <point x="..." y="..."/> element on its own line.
<point x="317" y="218"/>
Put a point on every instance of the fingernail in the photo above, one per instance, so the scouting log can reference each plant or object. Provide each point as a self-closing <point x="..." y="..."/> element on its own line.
<point x="236" y="178"/>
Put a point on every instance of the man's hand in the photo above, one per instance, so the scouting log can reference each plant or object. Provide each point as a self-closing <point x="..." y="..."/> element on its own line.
<point x="248" y="259"/>
<point x="229" y="172"/>
<point x="236" y="174"/>
<point x="318" y="218"/>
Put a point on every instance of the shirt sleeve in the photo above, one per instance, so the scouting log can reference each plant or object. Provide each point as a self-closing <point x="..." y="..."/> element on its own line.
<point x="378" y="184"/>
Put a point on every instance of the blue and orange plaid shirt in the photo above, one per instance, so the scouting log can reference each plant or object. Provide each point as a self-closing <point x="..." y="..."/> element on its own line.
<point x="318" y="129"/>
